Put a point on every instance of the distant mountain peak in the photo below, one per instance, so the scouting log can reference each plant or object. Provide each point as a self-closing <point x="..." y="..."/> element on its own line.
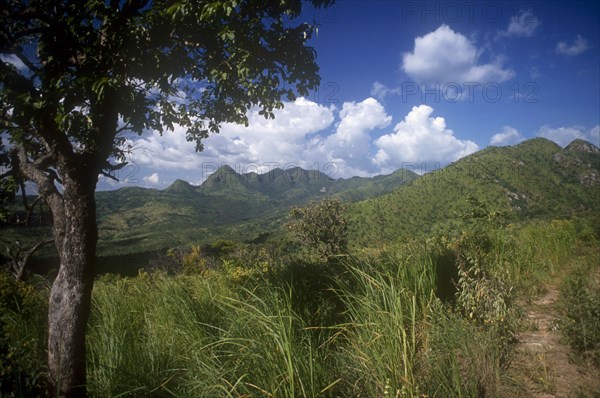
<point x="225" y="180"/>
<point x="180" y="186"/>
<point x="582" y="146"/>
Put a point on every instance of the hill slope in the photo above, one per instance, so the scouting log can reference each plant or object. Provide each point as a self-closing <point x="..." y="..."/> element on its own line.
<point x="226" y="205"/>
<point x="536" y="178"/>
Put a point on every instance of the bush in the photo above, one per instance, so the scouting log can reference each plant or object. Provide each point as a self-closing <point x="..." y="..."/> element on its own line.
<point x="482" y="296"/>
<point x="322" y="226"/>
<point x="581" y="321"/>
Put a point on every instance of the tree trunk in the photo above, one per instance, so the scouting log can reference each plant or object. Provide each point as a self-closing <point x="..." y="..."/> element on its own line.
<point x="70" y="297"/>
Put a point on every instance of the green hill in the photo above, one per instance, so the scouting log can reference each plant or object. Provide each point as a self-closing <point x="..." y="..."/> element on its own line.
<point x="180" y="187"/>
<point x="535" y="179"/>
<point x="227" y="205"/>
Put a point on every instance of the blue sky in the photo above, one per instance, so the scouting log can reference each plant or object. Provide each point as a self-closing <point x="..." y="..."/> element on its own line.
<point x="410" y="84"/>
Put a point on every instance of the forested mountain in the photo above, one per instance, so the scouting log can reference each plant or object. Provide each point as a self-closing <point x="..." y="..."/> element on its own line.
<point x="226" y="205"/>
<point x="535" y="179"/>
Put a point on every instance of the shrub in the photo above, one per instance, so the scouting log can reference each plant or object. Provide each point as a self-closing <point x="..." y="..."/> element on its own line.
<point x="481" y="296"/>
<point x="581" y="321"/>
<point x="322" y="226"/>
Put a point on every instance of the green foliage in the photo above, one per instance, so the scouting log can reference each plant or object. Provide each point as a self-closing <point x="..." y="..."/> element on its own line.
<point x="463" y="359"/>
<point x="533" y="180"/>
<point x="194" y="336"/>
<point x="8" y="189"/>
<point x="89" y="60"/>
<point x="226" y="206"/>
<point x="92" y="72"/>
<point x="257" y="322"/>
<point x="482" y="296"/>
<point x="580" y="323"/>
<point x="321" y="226"/>
<point x="386" y="302"/>
<point x="22" y="338"/>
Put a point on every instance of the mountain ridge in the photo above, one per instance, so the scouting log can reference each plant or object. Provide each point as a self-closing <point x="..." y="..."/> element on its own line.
<point x="534" y="179"/>
<point x="227" y="204"/>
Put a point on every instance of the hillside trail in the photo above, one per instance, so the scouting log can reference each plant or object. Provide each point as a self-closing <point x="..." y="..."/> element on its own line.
<point x="550" y="371"/>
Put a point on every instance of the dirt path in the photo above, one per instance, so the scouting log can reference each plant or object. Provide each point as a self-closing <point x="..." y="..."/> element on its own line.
<point x="547" y="363"/>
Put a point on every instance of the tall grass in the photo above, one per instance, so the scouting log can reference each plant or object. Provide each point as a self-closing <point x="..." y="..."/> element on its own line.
<point x="276" y="355"/>
<point x="580" y="299"/>
<point x="386" y="305"/>
<point x="189" y="336"/>
<point x="145" y="333"/>
<point x="379" y="324"/>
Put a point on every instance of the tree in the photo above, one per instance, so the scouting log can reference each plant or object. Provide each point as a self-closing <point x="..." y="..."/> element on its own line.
<point x="80" y="77"/>
<point x="322" y="226"/>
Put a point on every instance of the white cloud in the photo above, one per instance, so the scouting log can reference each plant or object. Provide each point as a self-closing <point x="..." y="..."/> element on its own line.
<point x="303" y="134"/>
<point x="564" y="135"/>
<point x="278" y="140"/>
<point x="421" y="138"/>
<point x="444" y="56"/>
<point x="579" y="45"/>
<point x="380" y="90"/>
<point x="15" y="61"/>
<point x="522" y="25"/>
<point x="595" y="135"/>
<point x="508" y="136"/>
<point x="350" y="146"/>
<point x="152" y="179"/>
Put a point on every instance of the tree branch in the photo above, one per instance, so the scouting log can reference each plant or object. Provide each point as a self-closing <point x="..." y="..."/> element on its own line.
<point x="18" y="263"/>
<point x="46" y="188"/>
<point x="19" y="54"/>
<point x="30" y="211"/>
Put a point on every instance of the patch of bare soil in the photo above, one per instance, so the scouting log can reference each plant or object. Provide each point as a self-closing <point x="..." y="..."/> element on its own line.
<point x="550" y="368"/>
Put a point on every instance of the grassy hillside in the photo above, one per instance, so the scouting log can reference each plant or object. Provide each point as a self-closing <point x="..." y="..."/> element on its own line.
<point x="374" y="324"/>
<point x="227" y="205"/>
<point x="536" y="179"/>
<point x="434" y="315"/>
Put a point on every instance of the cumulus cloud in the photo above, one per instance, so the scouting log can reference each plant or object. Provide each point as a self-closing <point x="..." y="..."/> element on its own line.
<point x="579" y="45"/>
<point x="421" y="138"/>
<point x="445" y="56"/>
<point x="278" y="140"/>
<point x="153" y="179"/>
<point x="522" y="25"/>
<point x="564" y="135"/>
<point x="349" y="147"/>
<point x="304" y="134"/>
<point x="508" y="136"/>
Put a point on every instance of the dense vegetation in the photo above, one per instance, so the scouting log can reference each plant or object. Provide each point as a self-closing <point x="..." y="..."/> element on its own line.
<point x="435" y="313"/>
<point x="536" y="179"/>
<point x="227" y="205"/>
<point x="434" y="318"/>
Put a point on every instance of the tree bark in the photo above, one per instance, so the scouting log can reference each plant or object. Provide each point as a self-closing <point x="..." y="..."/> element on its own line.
<point x="70" y="296"/>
